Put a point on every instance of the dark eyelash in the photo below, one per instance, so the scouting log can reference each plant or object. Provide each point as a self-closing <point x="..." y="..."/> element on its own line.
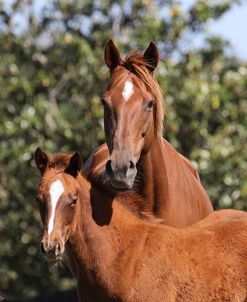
<point x="150" y="105"/>
<point x="73" y="202"/>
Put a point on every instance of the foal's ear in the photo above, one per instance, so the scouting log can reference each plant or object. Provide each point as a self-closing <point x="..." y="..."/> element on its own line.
<point x="151" y="56"/>
<point x="42" y="160"/>
<point x="75" y="165"/>
<point x="112" y="55"/>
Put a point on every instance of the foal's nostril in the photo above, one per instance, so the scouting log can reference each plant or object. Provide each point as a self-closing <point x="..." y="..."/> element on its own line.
<point x="58" y="249"/>
<point x="42" y="248"/>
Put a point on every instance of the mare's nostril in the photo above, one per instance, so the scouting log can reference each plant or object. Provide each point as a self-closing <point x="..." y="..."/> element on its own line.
<point x="108" y="167"/>
<point x="42" y="248"/>
<point x="131" y="164"/>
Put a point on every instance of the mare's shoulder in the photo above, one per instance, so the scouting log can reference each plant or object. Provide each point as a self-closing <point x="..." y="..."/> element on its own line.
<point x="181" y="157"/>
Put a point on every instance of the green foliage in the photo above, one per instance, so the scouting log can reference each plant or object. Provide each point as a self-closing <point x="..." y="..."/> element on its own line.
<point x="52" y="77"/>
<point x="206" y="120"/>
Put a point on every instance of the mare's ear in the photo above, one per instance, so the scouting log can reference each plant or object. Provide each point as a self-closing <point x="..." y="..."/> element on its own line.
<point x="151" y="56"/>
<point x="75" y="165"/>
<point x="42" y="160"/>
<point x="112" y="55"/>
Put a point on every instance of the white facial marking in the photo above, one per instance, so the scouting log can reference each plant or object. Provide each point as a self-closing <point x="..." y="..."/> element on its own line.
<point x="56" y="190"/>
<point x="128" y="90"/>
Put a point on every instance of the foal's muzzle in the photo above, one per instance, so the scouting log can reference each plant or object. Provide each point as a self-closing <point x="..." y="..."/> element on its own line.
<point x="52" y="249"/>
<point x="122" y="174"/>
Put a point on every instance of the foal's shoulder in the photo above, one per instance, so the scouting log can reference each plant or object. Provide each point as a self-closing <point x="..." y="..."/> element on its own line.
<point x="222" y="217"/>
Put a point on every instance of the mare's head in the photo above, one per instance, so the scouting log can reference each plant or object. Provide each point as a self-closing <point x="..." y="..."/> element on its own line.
<point x="133" y="111"/>
<point x="57" y="195"/>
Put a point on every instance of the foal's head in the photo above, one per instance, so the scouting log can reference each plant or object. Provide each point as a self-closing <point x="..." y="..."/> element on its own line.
<point x="133" y="111"/>
<point x="57" y="195"/>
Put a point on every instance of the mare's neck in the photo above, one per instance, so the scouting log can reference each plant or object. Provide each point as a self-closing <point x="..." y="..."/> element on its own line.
<point x="152" y="175"/>
<point x="171" y="186"/>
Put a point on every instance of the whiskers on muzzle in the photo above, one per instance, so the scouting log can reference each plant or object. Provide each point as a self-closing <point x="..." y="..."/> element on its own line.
<point x="138" y="182"/>
<point x="105" y="179"/>
<point x="57" y="260"/>
<point x="53" y="252"/>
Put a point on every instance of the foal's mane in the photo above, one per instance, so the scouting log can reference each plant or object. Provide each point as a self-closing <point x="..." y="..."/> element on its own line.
<point x="137" y="64"/>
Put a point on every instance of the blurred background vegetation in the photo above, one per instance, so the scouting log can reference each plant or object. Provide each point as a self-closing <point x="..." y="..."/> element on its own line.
<point x="52" y="75"/>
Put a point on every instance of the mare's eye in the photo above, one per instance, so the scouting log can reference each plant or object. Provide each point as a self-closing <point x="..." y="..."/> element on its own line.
<point x="150" y="105"/>
<point x="73" y="202"/>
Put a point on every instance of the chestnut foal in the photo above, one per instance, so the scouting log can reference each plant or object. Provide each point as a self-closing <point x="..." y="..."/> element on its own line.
<point x="137" y="158"/>
<point x="116" y="256"/>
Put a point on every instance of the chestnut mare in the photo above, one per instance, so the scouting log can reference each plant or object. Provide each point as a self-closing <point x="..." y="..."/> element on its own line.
<point x="139" y="158"/>
<point x="131" y="260"/>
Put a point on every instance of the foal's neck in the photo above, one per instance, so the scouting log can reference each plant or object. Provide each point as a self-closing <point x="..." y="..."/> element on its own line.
<point x="85" y="227"/>
<point x="95" y="244"/>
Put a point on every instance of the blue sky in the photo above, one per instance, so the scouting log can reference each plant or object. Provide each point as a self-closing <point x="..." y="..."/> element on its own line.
<point x="232" y="26"/>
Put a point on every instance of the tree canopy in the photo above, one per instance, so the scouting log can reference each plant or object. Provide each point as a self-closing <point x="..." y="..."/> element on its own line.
<point x="52" y="78"/>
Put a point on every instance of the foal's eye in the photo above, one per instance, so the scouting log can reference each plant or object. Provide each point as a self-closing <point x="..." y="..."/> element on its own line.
<point x="150" y="105"/>
<point x="73" y="202"/>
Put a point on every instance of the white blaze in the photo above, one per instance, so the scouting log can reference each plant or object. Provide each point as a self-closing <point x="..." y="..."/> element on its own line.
<point x="56" y="190"/>
<point x="128" y="90"/>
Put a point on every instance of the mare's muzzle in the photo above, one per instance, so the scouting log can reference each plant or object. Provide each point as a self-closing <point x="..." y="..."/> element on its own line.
<point x="121" y="173"/>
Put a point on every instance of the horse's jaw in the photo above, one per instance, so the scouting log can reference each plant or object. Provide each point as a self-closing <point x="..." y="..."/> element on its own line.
<point x="121" y="185"/>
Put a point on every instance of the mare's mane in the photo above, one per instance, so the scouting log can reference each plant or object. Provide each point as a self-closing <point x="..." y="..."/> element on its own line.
<point x="137" y="64"/>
